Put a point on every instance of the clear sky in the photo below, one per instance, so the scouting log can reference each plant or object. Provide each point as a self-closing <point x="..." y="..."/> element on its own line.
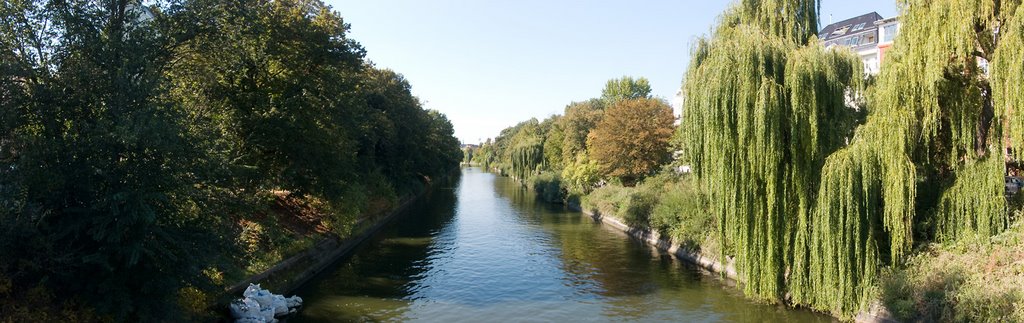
<point x="489" y="64"/>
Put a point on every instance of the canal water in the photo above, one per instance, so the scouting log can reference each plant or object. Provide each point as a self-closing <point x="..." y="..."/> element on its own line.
<point x="486" y="250"/>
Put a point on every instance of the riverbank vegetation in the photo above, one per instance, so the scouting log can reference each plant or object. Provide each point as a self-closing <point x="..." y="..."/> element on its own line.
<point x="152" y="152"/>
<point x="825" y="185"/>
<point x="964" y="281"/>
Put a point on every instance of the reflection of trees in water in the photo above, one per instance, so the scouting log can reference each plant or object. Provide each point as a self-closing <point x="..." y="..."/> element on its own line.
<point x="638" y="281"/>
<point x="516" y="193"/>
<point x="619" y="265"/>
<point x="630" y="280"/>
<point x="641" y="282"/>
<point x="383" y="268"/>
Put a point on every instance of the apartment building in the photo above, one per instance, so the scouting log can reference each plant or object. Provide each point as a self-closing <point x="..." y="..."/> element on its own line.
<point x="869" y="35"/>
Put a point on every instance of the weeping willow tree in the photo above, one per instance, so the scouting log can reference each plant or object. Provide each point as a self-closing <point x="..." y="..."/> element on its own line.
<point x="732" y="128"/>
<point x="525" y="156"/>
<point x="765" y="105"/>
<point x="795" y="20"/>
<point x="937" y="119"/>
<point x="942" y="100"/>
<point x="1008" y="75"/>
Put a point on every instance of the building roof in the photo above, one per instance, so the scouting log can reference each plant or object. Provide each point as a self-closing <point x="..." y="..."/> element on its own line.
<point x="888" y="20"/>
<point x="853" y="25"/>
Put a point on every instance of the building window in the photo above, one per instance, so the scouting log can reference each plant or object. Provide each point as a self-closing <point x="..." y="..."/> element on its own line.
<point x="890" y="32"/>
<point x="840" y="31"/>
<point x="858" y="27"/>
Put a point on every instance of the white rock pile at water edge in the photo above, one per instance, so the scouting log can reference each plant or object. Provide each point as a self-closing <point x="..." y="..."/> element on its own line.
<point x="261" y="306"/>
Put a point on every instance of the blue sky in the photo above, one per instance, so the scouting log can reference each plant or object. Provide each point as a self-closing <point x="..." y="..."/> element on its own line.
<point x="490" y="64"/>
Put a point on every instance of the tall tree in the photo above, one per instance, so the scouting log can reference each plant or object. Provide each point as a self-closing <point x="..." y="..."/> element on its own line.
<point x="554" y="141"/>
<point x="765" y="106"/>
<point x="579" y="119"/>
<point x="632" y="139"/>
<point x="100" y="202"/>
<point x="133" y="138"/>
<point x="275" y="82"/>
<point x="442" y="147"/>
<point x="625" y="88"/>
<point x="948" y="87"/>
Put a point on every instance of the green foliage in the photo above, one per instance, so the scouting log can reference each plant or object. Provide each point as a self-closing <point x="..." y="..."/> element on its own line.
<point x="136" y="138"/>
<point x="971" y="280"/>
<point x="732" y="128"/>
<point x="553" y="145"/>
<point x="249" y="82"/>
<point x="607" y="200"/>
<point x="579" y="119"/>
<point x="851" y="217"/>
<point x="935" y="106"/>
<point x="581" y="175"/>
<point x="681" y="213"/>
<point x="625" y="88"/>
<point x="1008" y="74"/>
<point x="398" y="137"/>
<point x="794" y="20"/>
<point x="667" y="204"/>
<point x="974" y="204"/>
<point x="636" y="209"/>
<point x="548" y="185"/>
<point x="485" y="155"/>
<point x="932" y="115"/>
<point x="467" y="155"/>
<point x="766" y="104"/>
<point x="525" y="156"/>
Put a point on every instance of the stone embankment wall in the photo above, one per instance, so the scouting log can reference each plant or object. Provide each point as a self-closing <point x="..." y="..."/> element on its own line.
<point x="876" y="312"/>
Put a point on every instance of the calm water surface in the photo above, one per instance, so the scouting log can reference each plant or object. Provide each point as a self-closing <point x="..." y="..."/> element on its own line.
<point x="485" y="249"/>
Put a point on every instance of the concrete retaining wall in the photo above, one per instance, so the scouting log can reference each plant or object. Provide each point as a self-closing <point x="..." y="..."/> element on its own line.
<point x="876" y="312"/>
<point x="306" y="265"/>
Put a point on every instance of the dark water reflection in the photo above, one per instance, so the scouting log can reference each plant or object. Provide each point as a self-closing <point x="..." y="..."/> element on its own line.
<point x="487" y="250"/>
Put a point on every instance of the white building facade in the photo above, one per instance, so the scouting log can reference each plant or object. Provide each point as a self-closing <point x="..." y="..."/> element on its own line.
<point x="869" y="35"/>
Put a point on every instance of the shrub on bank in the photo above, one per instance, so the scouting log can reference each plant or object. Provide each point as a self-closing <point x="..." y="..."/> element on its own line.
<point x="681" y="214"/>
<point x="968" y="281"/>
<point x="666" y="203"/>
<point x="581" y="175"/>
<point x="635" y="210"/>
<point x="606" y="200"/>
<point x="548" y="186"/>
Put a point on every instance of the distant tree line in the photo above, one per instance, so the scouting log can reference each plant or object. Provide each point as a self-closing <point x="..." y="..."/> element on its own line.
<point x="624" y="136"/>
<point x="135" y="134"/>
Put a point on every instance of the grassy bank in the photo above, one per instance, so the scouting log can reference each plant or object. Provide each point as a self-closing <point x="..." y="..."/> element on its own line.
<point x="967" y="281"/>
<point x="668" y="204"/>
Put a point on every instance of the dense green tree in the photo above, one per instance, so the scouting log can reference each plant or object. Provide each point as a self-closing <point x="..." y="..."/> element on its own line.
<point x="937" y="121"/>
<point x="485" y="154"/>
<point x="761" y="135"/>
<point x="135" y="136"/>
<point x="766" y="104"/>
<point x="580" y="175"/>
<point x="554" y="142"/>
<point x="394" y="128"/>
<point x="579" y="119"/>
<point x="467" y="154"/>
<point x="625" y="88"/>
<point x="275" y="80"/>
<point x="632" y="139"/>
<point x="442" y="148"/>
<point x="101" y="199"/>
